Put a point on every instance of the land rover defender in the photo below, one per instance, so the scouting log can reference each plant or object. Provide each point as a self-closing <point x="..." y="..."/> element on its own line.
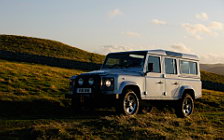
<point x="126" y="80"/>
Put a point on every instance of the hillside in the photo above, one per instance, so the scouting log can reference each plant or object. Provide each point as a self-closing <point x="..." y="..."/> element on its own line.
<point x="213" y="77"/>
<point x="32" y="103"/>
<point x="48" y="48"/>
<point x="32" y="106"/>
<point x="212" y="81"/>
<point x="214" y="68"/>
<point x="31" y="79"/>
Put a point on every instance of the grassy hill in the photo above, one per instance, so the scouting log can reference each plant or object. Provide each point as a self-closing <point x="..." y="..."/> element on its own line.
<point x="32" y="104"/>
<point x="214" y="68"/>
<point x="44" y="47"/>
<point x="31" y="79"/>
<point x="212" y="81"/>
<point x="213" y="77"/>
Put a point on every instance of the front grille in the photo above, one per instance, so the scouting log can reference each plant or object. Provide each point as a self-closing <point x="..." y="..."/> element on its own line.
<point x="95" y="87"/>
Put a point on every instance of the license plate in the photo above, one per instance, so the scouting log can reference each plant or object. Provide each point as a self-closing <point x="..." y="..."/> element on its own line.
<point x="84" y="90"/>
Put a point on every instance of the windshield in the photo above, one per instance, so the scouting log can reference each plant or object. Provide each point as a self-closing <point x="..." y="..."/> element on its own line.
<point x="125" y="60"/>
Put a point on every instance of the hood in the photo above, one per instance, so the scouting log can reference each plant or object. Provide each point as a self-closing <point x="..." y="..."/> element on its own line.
<point x="115" y="72"/>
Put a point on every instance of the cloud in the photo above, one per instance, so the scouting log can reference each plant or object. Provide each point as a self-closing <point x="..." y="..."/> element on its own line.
<point x="113" y="48"/>
<point x="180" y="47"/>
<point x="202" y="16"/>
<point x="198" y="30"/>
<point x="216" y="25"/>
<point x="115" y="12"/>
<point x="212" y="58"/>
<point x="160" y="22"/>
<point x="132" y="34"/>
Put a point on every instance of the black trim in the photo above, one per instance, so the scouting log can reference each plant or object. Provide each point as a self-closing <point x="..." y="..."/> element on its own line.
<point x="95" y="87"/>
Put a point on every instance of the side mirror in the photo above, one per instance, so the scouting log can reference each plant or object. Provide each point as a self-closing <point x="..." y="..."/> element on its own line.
<point x="150" y="67"/>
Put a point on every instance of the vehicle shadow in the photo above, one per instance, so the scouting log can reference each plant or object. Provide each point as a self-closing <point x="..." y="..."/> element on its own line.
<point x="40" y="109"/>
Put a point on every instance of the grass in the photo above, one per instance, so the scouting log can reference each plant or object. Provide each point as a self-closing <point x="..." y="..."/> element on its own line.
<point x="32" y="106"/>
<point x="206" y="123"/>
<point x="44" y="47"/>
<point x="31" y="79"/>
<point x="213" y="77"/>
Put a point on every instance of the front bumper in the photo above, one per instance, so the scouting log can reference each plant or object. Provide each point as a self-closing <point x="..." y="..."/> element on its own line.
<point x="101" y="100"/>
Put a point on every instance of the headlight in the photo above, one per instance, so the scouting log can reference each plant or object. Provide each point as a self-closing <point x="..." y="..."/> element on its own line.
<point x="91" y="81"/>
<point x="80" y="81"/>
<point x="108" y="83"/>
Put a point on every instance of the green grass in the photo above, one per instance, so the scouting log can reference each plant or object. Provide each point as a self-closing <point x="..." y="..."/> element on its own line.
<point x="31" y="79"/>
<point x="32" y="106"/>
<point x="203" y="124"/>
<point x="213" y="77"/>
<point x="44" y="47"/>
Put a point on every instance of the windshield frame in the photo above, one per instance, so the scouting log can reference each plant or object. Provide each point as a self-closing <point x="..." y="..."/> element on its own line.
<point x="126" y="54"/>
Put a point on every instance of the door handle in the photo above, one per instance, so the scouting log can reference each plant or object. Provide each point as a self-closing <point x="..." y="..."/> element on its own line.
<point x="160" y="82"/>
<point x="176" y="83"/>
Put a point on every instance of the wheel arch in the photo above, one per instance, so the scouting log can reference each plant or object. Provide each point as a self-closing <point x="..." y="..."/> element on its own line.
<point x="187" y="90"/>
<point x="133" y="87"/>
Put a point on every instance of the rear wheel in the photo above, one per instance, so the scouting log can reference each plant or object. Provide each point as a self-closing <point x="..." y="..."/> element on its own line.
<point x="129" y="103"/>
<point x="185" y="106"/>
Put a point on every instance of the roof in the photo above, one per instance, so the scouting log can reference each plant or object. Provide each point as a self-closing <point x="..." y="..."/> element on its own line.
<point x="168" y="53"/>
<point x="175" y="54"/>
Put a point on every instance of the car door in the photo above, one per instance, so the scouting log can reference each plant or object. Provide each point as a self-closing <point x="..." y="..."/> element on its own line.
<point x="155" y="82"/>
<point x="171" y="77"/>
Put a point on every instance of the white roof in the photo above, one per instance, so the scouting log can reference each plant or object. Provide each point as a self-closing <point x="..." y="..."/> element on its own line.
<point x="167" y="53"/>
<point x="175" y="54"/>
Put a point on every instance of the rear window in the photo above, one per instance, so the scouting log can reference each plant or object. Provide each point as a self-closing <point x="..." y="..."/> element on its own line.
<point x="188" y="67"/>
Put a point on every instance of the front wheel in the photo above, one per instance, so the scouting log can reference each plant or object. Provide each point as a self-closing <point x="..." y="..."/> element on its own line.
<point x="185" y="106"/>
<point x="129" y="103"/>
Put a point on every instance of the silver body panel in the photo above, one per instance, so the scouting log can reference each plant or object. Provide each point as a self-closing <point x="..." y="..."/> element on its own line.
<point x="156" y="86"/>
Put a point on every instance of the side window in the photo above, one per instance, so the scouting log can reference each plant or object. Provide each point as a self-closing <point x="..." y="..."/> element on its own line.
<point x="170" y="66"/>
<point x="193" y="68"/>
<point x="187" y="67"/>
<point x="154" y="64"/>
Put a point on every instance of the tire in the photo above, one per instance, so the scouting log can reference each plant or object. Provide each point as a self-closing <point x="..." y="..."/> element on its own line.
<point x="129" y="103"/>
<point x="185" y="106"/>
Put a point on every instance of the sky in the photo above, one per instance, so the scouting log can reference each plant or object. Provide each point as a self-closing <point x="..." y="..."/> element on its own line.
<point x="103" y="26"/>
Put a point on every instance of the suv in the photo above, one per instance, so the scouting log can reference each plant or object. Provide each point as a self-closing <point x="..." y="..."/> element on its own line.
<point x="132" y="80"/>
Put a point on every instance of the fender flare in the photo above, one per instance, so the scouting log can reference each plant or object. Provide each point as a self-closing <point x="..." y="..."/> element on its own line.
<point x="125" y="84"/>
<point x="183" y="89"/>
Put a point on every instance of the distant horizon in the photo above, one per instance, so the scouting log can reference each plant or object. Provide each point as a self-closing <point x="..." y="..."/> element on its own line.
<point x="106" y="26"/>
